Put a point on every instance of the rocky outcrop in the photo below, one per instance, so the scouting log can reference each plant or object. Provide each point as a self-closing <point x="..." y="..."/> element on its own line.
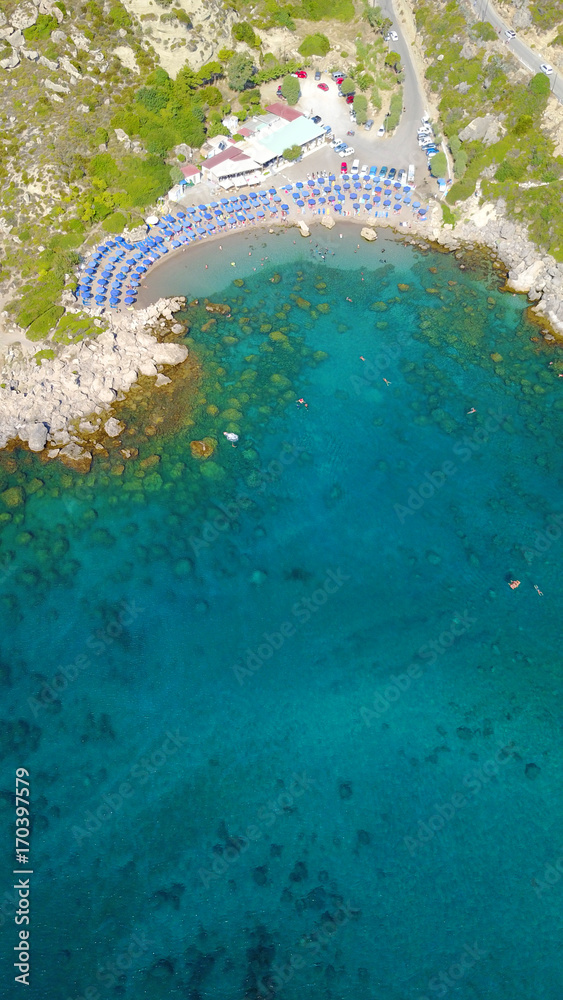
<point x="530" y="270"/>
<point x="488" y="129"/>
<point x="303" y="228"/>
<point x="328" y="222"/>
<point x="40" y="404"/>
<point x="368" y="234"/>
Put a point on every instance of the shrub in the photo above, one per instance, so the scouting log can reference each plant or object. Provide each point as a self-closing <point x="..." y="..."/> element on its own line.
<point x="290" y="89"/>
<point x="44" y="323"/>
<point x="539" y="85"/>
<point x="320" y="10"/>
<point x="42" y="28"/>
<point x="461" y="190"/>
<point x="244" y="32"/>
<point x="438" y="165"/>
<point x="181" y="16"/>
<point x="485" y="31"/>
<point x="395" y="108"/>
<point x="361" y="108"/>
<point x="314" y="45"/>
<point x="460" y="164"/>
<point x="348" y="86"/>
<point x="114" y="223"/>
<point x="448" y="217"/>
<point x="119" y="16"/>
<point x="393" y="60"/>
<point x="47" y="354"/>
<point x="292" y="153"/>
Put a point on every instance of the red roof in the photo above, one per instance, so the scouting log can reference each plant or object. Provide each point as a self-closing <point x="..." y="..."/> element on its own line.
<point x="189" y="170"/>
<point x="232" y="153"/>
<point x="282" y="111"/>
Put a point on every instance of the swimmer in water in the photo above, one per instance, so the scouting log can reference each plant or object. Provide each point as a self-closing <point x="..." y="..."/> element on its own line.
<point x="472" y="410"/>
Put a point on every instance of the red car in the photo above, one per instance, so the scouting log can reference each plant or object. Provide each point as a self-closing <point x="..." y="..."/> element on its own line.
<point x="322" y="86"/>
<point x="343" y="167"/>
<point x="339" y="80"/>
<point x="301" y="74"/>
<point x="350" y="99"/>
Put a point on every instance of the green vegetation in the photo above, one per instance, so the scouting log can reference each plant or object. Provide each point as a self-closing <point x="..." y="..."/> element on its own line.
<point x="448" y="217"/>
<point x="115" y="223"/>
<point x="42" y="28"/>
<point x="439" y="165"/>
<point x="241" y="69"/>
<point x="546" y="14"/>
<point x="395" y="109"/>
<point x="360" y="106"/>
<point x="523" y="156"/>
<point x="244" y="32"/>
<point x="73" y="327"/>
<point x="47" y="354"/>
<point x="290" y="89"/>
<point x="119" y="17"/>
<point x="393" y="60"/>
<point x="348" y="86"/>
<point x="292" y="153"/>
<point x="44" y="323"/>
<point x="485" y="31"/>
<point x="314" y="45"/>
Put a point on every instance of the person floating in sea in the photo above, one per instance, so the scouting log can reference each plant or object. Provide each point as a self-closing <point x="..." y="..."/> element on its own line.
<point x="301" y="402"/>
<point x="348" y="299"/>
<point x="386" y="382"/>
<point x="472" y="410"/>
<point x="538" y="591"/>
<point x="513" y="584"/>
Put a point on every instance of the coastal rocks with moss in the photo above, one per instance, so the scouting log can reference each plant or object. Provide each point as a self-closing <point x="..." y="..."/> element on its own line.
<point x="530" y="270"/>
<point x="46" y="404"/>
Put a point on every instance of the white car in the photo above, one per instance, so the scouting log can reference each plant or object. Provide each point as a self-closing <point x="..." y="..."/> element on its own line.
<point x="365" y="169"/>
<point x="391" y="36"/>
<point x="546" y="68"/>
<point x="349" y="151"/>
<point x="510" y="33"/>
<point x="381" y="131"/>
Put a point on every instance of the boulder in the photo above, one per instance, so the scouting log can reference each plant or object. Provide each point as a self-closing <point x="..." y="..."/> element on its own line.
<point x="16" y="39"/>
<point x="303" y="228"/>
<point x="58" y="37"/>
<point x="477" y="129"/>
<point x="59" y="88"/>
<point x="24" y="15"/>
<point x="169" y="354"/>
<point x="10" y="62"/>
<point x="113" y="427"/>
<point x="203" y="449"/>
<point x="73" y="456"/>
<point x="37" y="437"/>
<point x="328" y="222"/>
<point x="162" y="380"/>
<point x="368" y="234"/>
<point x="30" y="54"/>
<point x="49" y="63"/>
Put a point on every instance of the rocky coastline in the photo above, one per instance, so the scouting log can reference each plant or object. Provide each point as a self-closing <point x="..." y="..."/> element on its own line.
<point x="529" y="271"/>
<point x="56" y="406"/>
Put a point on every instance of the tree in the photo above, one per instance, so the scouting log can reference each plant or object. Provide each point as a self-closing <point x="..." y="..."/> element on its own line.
<point x="240" y="71"/>
<point x="393" y="60"/>
<point x="290" y="89"/>
<point x="438" y="165"/>
<point x="539" y="85"/>
<point x="244" y="32"/>
<point x="292" y="153"/>
<point x="348" y="86"/>
<point x="360" y="106"/>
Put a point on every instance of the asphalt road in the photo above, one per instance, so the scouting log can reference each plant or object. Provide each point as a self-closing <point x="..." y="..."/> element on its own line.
<point x="484" y="11"/>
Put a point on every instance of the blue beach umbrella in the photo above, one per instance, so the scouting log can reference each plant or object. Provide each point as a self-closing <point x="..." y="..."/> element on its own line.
<point x="316" y="192"/>
<point x="331" y="197"/>
<point x="90" y="270"/>
<point x="134" y="282"/>
<point x="406" y="189"/>
<point x="207" y="215"/>
<point x="355" y="177"/>
<point x="345" y="177"/>
<point x="396" y="185"/>
<point x="416" y="204"/>
<point x="300" y="203"/>
<point x="357" y="185"/>
<point x="378" y="189"/>
<point x="250" y="215"/>
<point x="299" y="184"/>
<point x="241" y="217"/>
<point x="200" y="230"/>
<point x="397" y="207"/>
<point x="190" y="208"/>
<point x="289" y="187"/>
<point x="322" y="201"/>
<point x="140" y="270"/>
<point x="221" y="222"/>
<point x="311" y="201"/>
<point x="338" y="208"/>
<point x="341" y="197"/>
<point x="386" y="203"/>
<point x="346" y="186"/>
<point x="285" y="208"/>
<point x="224" y="201"/>
<point x="165" y="249"/>
<point x="214" y="204"/>
<point x="277" y="197"/>
<point x="176" y="243"/>
<point x="244" y="197"/>
<point x="272" y="191"/>
<point x="368" y="206"/>
<point x="422" y="211"/>
<point x="331" y="177"/>
<point x="398" y="195"/>
<point x="327" y="189"/>
<point x="367" y="187"/>
<point x="181" y="215"/>
<point x="337" y="187"/>
<point x="100" y="300"/>
<point x="406" y="201"/>
<point x="260" y="213"/>
<point x="202" y="207"/>
<point x="102" y="283"/>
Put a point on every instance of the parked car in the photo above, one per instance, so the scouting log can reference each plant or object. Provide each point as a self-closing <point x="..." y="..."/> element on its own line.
<point x="339" y="80"/>
<point x="343" y="167"/>
<point x="510" y="33"/>
<point x="335" y="142"/>
<point x="381" y="131"/>
<point x="432" y="151"/>
<point x="391" y="36"/>
<point x="402" y="177"/>
<point x="383" y="172"/>
<point x="338" y="74"/>
<point x="355" y="166"/>
<point x="392" y="174"/>
<point x="373" y="171"/>
<point x="317" y="74"/>
<point x="316" y="120"/>
<point x="364" y="169"/>
<point x="369" y="124"/>
<point x="322" y="86"/>
<point x="301" y="74"/>
<point x="340" y="146"/>
<point x="349" y="150"/>
<point x="350" y="99"/>
<point x="546" y="68"/>
<point x="342" y="152"/>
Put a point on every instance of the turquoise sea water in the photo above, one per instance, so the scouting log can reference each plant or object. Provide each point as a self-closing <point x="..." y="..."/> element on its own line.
<point x="290" y="732"/>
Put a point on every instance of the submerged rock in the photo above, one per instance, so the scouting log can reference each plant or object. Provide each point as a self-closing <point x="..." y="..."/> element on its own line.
<point x="203" y="449"/>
